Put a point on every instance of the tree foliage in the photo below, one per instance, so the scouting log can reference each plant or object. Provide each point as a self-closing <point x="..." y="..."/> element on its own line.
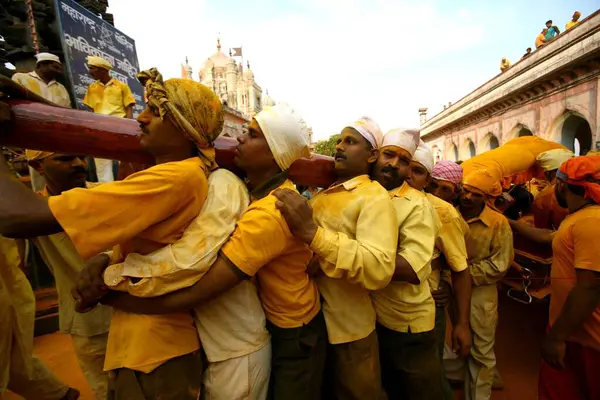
<point x="327" y="147"/>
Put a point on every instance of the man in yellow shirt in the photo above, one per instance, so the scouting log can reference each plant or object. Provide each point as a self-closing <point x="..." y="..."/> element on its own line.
<point x="20" y="371"/>
<point x="540" y="40"/>
<point x="89" y="332"/>
<point x="107" y="96"/>
<point x="139" y="214"/>
<point x="43" y="82"/>
<point x="263" y="246"/>
<point x="490" y="247"/>
<point x="351" y="228"/>
<point x="450" y="253"/>
<point x="574" y="21"/>
<point x="405" y="308"/>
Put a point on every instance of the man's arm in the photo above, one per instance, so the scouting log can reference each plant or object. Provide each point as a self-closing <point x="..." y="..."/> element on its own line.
<point x="129" y="111"/>
<point x="538" y="235"/>
<point x="128" y="101"/>
<point x="493" y="268"/>
<point x="23" y="214"/>
<point x="183" y="263"/>
<point x="367" y="260"/>
<point x="221" y="277"/>
<point x="258" y="238"/>
<point x="416" y="239"/>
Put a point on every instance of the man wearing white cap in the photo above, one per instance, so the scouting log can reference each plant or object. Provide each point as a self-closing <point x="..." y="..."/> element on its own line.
<point x="261" y="245"/>
<point x="450" y="253"/>
<point x="107" y="96"/>
<point x="43" y="82"/>
<point x="547" y="213"/>
<point x="351" y="228"/>
<point x="405" y="308"/>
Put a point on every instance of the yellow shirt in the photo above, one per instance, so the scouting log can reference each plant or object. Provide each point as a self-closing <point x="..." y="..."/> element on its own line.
<point x="144" y="212"/>
<point x="263" y="245"/>
<point x="402" y="306"/>
<point x="540" y="40"/>
<point x="489" y="246"/>
<point x="52" y="91"/>
<point x="571" y="24"/>
<point x="450" y="240"/>
<point x="110" y="99"/>
<point x="65" y="263"/>
<point x="356" y="241"/>
<point x="575" y="246"/>
<point x="17" y="313"/>
<point x="233" y="324"/>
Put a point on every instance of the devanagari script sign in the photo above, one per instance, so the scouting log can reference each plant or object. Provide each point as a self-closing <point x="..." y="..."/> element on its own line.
<point x="84" y="34"/>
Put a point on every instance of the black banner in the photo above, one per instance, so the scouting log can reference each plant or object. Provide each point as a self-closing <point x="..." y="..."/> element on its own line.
<point x="82" y="34"/>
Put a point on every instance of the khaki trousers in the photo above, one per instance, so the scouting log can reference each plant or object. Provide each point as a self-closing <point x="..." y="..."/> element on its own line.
<point x="481" y="365"/>
<point x="42" y="384"/>
<point x="90" y="352"/>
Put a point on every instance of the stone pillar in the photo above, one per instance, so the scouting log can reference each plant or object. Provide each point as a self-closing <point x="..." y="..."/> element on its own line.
<point x="423" y="115"/>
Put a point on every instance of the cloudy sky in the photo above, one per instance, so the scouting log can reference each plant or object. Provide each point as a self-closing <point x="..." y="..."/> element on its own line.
<point x="336" y="60"/>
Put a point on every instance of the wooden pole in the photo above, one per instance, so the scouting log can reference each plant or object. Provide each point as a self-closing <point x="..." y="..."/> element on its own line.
<point x="40" y="126"/>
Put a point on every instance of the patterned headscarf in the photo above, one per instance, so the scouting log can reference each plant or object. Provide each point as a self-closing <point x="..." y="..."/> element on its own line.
<point x="448" y="171"/>
<point x="192" y="107"/>
<point x="582" y="171"/>
<point x="36" y="155"/>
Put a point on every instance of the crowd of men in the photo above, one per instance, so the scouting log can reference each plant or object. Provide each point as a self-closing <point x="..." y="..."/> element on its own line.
<point x="183" y="280"/>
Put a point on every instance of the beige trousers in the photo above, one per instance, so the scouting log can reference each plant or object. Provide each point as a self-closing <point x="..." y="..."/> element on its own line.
<point x="481" y="365"/>
<point x="90" y="352"/>
<point x="241" y="378"/>
<point x="41" y="385"/>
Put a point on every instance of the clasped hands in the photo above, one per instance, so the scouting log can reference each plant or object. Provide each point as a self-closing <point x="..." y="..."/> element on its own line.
<point x="90" y="287"/>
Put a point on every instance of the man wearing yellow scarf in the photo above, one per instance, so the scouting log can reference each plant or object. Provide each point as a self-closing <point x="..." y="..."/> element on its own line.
<point x="139" y="214"/>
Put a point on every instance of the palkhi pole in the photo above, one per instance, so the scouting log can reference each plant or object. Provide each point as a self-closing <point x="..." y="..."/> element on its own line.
<point x="39" y="126"/>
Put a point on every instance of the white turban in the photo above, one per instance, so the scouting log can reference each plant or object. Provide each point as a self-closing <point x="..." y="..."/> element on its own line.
<point x="424" y="156"/>
<point x="99" y="62"/>
<point x="407" y="139"/>
<point x="286" y="133"/>
<point x="552" y="159"/>
<point x="369" y="130"/>
<point x="46" y="57"/>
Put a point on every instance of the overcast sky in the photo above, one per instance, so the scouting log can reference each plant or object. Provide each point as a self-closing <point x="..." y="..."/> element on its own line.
<point x="336" y="60"/>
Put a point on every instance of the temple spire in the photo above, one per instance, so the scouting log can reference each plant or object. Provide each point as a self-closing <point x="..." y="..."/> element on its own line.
<point x="219" y="43"/>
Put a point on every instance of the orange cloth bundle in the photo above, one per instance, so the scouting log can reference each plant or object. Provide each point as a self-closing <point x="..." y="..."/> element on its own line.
<point x="514" y="162"/>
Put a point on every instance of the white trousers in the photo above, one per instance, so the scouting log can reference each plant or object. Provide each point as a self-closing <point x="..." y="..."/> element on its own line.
<point x="241" y="378"/>
<point x="104" y="170"/>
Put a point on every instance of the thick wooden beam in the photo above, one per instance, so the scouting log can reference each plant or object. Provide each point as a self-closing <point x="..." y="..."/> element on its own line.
<point x="42" y="127"/>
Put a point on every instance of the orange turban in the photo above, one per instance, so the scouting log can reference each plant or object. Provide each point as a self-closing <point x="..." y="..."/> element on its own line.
<point x="482" y="181"/>
<point x="583" y="171"/>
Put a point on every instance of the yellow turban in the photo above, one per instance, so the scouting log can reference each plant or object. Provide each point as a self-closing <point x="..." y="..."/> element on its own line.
<point x="36" y="155"/>
<point x="192" y="107"/>
<point x="482" y="181"/>
<point x="552" y="159"/>
<point x="98" y="62"/>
